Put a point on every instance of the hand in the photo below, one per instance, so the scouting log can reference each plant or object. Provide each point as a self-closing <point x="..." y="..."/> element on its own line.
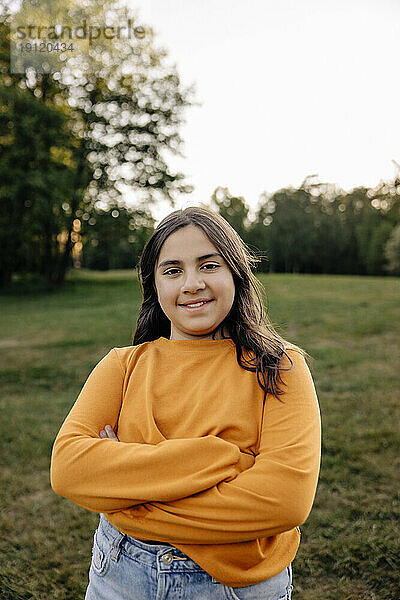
<point x="108" y="433"/>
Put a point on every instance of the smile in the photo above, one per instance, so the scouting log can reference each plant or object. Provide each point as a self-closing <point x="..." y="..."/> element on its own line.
<point x="197" y="306"/>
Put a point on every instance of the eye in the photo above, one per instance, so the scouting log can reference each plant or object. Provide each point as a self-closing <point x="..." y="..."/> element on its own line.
<point x="170" y="271"/>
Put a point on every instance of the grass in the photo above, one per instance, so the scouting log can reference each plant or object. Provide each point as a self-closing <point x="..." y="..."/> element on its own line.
<point x="350" y="325"/>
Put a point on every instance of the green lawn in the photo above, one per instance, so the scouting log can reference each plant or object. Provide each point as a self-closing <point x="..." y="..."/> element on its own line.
<point x="350" y="325"/>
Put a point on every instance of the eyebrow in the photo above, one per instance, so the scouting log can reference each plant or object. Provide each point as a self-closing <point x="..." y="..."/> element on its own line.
<point x="178" y="262"/>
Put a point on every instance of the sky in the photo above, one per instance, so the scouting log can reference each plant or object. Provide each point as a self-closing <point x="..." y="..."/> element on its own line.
<point x="287" y="89"/>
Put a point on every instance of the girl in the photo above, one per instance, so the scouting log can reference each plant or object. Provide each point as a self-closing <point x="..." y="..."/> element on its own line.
<point x="199" y="445"/>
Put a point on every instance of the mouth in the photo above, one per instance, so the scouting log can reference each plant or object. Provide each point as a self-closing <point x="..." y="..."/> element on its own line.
<point x="197" y="306"/>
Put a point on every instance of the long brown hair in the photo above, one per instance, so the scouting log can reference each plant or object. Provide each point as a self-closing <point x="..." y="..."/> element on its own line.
<point x="247" y="323"/>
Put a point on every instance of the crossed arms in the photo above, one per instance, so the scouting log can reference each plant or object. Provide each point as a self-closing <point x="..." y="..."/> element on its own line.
<point x="231" y="498"/>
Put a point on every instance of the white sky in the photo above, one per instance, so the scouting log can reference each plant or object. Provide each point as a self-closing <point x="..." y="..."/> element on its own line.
<point x="288" y="88"/>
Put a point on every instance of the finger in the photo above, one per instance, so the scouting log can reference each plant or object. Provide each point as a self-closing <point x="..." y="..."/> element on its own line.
<point x="103" y="434"/>
<point x="111" y="433"/>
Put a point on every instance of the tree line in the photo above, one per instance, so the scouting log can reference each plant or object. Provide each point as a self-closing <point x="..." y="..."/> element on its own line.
<point x="311" y="229"/>
<point x="317" y="228"/>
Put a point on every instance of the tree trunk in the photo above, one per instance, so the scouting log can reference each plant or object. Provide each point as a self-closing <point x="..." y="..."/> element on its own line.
<point x="75" y="201"/>
<point x="6" y="276"/>
<point x="63" y="264"/>
<point x="48" y="266"/>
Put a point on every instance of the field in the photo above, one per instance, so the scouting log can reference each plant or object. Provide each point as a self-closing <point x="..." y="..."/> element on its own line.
<point x="350" y="325"/>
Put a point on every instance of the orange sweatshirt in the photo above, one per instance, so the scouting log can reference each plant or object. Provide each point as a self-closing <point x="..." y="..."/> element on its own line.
<point x="199" y="463"/>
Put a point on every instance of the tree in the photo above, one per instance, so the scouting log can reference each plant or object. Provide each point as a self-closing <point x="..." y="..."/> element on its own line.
<point x="35" y="179"/>
<point x="38" y="168"/>
<point x="232" y="208"/>
<point x="372" y="232"/>
<point x="392" y="252"/>
<point x="114" y="239"/>
<point x="257" y="233"/>
<point x="123" y="107"/>
<point x="285" y="229"/>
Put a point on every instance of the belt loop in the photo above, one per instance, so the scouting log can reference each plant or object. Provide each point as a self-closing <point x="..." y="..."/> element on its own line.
<point x="116" y="547"/>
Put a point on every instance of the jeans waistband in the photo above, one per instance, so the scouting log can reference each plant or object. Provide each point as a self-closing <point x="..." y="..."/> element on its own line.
<point x="159" y="556"/>
<point x="159" y="543"/>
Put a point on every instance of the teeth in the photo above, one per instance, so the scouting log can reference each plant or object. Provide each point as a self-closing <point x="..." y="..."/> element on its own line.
<point x="198" y="304"/>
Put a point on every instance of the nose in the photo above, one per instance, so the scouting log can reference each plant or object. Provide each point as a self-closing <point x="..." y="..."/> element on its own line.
<point x="193" y="282"/>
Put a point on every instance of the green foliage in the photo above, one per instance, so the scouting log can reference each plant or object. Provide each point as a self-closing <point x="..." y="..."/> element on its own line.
<point x="375" y="256"/>
<point x="128" y="107"/>
<point x="232" y="208"/>
<point x="114" y="239"/>
<point x="317" y="229"/>
<point x="35" y="180"/>
<point x="392" y="251"/>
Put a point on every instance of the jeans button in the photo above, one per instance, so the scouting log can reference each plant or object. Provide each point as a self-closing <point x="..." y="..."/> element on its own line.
<point x="167" y="558"/>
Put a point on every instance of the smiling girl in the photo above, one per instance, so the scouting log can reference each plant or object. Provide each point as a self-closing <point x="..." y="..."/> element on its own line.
<point x="199" y="445"/>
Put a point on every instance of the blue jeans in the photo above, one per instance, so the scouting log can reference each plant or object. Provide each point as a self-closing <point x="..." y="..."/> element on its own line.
<point x="124" y="568"/>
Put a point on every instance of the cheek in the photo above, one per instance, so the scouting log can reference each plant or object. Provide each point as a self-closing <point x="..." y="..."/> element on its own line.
<point x="228" y="286"/>
<point x="165" y="293"/>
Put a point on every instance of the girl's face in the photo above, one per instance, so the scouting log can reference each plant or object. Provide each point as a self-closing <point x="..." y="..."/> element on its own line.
<point x="189" y="276"/>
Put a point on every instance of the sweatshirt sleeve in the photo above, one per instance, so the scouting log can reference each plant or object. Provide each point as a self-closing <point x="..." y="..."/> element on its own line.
<point x="274" y="495"/>
<point x="104" y="475"/>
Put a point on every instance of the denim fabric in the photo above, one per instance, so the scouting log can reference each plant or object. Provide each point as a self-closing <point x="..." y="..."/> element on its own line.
<point x="124" y="568"/>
